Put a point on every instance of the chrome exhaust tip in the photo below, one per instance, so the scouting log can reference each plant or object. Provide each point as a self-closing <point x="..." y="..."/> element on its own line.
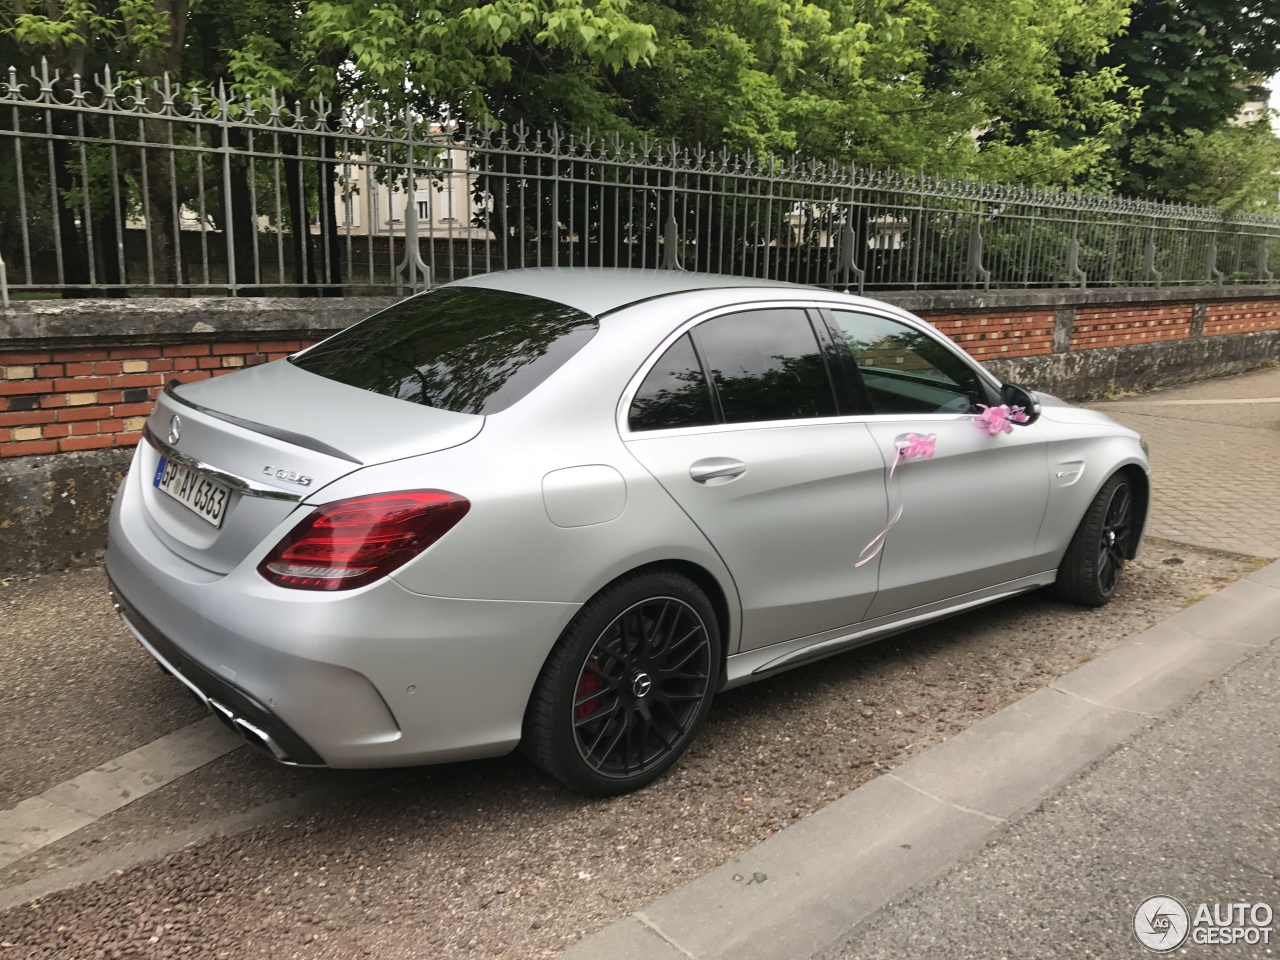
<point x="253" y="734"/>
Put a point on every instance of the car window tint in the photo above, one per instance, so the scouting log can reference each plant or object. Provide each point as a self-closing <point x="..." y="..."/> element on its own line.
<point x="766" y="365"/>
<point x="674" y="393"/>
<point x="905" y="370"/>
<point x="464" y="349"/>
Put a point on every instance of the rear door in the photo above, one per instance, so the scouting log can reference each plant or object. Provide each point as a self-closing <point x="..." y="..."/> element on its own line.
<point x="971" y="514"/>
<point x="766" y="456"/>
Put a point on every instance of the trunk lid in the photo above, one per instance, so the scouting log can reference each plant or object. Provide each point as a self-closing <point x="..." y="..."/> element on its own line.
<point x="262" y="434"/>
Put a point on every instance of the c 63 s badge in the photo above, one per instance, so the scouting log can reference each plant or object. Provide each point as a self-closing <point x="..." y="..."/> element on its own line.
<point x="288" y="476"/>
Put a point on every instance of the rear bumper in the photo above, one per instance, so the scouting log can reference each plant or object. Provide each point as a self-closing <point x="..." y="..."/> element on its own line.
<point x="373" y="677"/>
<point x="240" y="712"/>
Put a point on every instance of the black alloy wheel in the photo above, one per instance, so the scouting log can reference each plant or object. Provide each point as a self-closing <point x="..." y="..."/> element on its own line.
<point x="1112" y="545"/>
<point x="1091" y="569"/>
<point x="627" y="685"/>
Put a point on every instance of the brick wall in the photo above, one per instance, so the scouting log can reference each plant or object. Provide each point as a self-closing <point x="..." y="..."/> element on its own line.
<point x="63" y="400"/>
<point x="1121" y="326"/>
<point x="96" y="393"/>
<point x="1019" y="333"/>
<point x="1241" y="317"/>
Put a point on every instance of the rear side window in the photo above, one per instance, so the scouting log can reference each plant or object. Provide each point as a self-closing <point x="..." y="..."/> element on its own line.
<point x="674" y="393"/>
<point x="766" y="365"/>
<point x="463" y="349"/>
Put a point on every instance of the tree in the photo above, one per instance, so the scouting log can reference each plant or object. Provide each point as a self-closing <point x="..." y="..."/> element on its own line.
<point x="1196" y="62"/>
<point x="946" y="85"/>
<point x="1235" y="168"/>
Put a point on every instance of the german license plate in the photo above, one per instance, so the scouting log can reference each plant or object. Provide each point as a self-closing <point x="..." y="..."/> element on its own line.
<point x="203" y="496"/>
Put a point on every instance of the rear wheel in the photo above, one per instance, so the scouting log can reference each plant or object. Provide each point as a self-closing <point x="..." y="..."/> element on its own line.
<point x="627" y="685"/>
<point x="1091" y="569"/>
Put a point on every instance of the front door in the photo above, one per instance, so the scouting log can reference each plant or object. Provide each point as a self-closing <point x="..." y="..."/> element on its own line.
<point x="971" y="514"/>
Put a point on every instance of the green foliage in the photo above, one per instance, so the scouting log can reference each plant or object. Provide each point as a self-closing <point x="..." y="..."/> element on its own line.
<point x="1237" y="168"/>
<point x="71" y="23"/>
<point x="449" y="52"/>
<point x="1196" y="61"/>
<point x="1052" y="92"/>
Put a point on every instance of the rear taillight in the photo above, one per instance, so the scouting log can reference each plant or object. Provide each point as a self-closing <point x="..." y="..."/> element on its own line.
<point x="349" y="543"/>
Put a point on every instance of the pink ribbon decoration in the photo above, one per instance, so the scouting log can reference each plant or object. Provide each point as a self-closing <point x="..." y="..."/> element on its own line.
<point x="999" y="419"/>
<point x="917" y="447"/>
<point x="910" y="447"/>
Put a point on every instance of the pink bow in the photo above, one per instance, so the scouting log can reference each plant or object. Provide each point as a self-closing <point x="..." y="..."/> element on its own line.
<point x="911" y="447"/>
<point x="999" y="419"/>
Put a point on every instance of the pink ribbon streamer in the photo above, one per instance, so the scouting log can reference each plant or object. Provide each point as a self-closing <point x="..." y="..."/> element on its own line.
<point x="911" y="447"/>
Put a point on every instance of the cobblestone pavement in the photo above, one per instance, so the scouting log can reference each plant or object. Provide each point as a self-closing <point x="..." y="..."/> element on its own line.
<point x="1215" y="465"/>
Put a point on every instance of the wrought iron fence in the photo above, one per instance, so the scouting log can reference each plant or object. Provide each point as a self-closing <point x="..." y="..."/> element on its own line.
<point x="117" y="189"/>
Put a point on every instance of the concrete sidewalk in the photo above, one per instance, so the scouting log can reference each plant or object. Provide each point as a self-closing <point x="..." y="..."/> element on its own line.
<point x="1154" y="769"/>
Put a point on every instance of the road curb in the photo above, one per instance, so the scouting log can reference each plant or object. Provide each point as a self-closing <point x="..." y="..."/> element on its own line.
<point x="797" y="892"/>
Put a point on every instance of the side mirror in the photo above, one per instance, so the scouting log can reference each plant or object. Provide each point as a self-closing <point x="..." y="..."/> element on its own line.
<point x="1016" y="396"/>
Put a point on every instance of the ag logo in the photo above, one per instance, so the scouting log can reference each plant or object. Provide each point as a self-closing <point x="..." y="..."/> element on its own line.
<point x="1161" y="924"/>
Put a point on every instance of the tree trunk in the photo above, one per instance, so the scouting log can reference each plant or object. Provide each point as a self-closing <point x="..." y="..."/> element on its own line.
<point x="159" y="207"/>
<point x="242" y="225"/>
<point x="108" y="238"/>
<point x="327" y="176"/>
<point x="75" y="258"/>
<point x="301" y="242"/>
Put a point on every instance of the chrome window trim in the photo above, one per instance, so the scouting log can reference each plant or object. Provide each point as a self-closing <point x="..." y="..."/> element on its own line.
<point x="633" y="385"/>
<point x="810" y="422"/>
<point x="250" y="488"/>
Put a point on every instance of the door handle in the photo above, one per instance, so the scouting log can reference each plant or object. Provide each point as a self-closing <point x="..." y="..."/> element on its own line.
<point x="715" y="470"/>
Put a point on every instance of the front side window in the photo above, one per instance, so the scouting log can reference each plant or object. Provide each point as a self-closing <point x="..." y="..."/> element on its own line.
<point x="674" y="392"/>
<point x="905" y="370"/>
<point x="766" y="365"/>
<point x="464" y="349"/>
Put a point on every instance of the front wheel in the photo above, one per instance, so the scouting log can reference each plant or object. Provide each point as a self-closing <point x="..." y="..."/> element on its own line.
<point x="1091" y="569"/>
<point x="627" y="685"/>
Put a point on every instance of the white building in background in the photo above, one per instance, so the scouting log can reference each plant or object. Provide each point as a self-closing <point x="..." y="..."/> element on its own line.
<point x="371" y="200"/>
<point x="1251" y="112"/>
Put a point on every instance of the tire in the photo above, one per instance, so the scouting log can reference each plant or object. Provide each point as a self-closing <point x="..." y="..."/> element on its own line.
<point x="626" y="686"/>
<point x="1094" y="561"/>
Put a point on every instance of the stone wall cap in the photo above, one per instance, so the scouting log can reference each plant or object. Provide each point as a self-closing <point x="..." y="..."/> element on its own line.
<point x="70" y="323"/>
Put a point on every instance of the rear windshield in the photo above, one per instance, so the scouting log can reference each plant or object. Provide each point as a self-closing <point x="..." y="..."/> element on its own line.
<point x="463" y="349"/>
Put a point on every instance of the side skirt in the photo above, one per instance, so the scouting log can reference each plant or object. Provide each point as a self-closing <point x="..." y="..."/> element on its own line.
<point x="743" y="668"/>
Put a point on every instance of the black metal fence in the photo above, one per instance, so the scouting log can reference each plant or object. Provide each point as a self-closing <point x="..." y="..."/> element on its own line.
<point x="126" y="189"/>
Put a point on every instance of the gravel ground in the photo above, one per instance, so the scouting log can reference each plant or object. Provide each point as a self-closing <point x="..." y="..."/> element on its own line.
<point x="490" y="860"/>
<point x="78" y="688"/>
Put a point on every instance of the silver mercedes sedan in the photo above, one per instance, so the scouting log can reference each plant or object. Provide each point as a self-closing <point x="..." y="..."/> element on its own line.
<point x="563" y="508"/>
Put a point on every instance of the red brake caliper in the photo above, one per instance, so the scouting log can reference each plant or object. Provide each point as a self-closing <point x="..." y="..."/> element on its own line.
<point x="589" y="683"/>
